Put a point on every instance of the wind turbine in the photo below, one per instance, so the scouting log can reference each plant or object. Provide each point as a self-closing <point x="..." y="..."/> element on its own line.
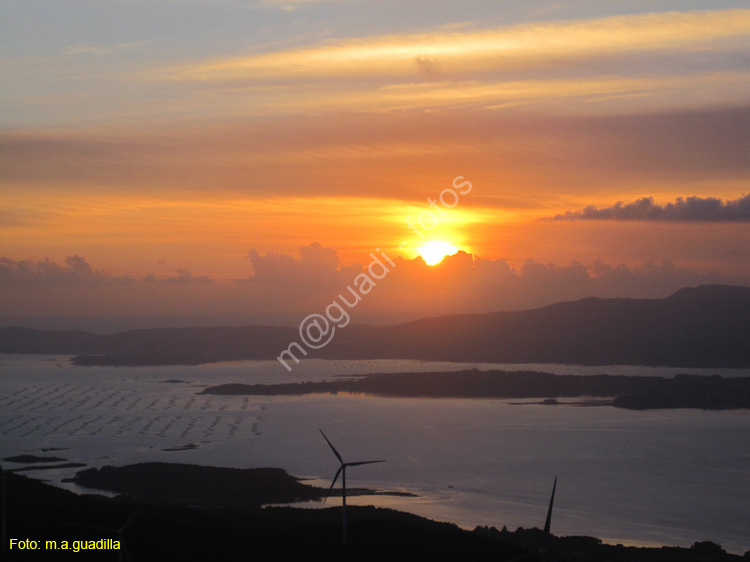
<point x="122" y="553"/>
<point x="542" y="552"/>
<point x="342" y="471"/>
<point x="542" y="547"/>
<point x="4" y="514"/>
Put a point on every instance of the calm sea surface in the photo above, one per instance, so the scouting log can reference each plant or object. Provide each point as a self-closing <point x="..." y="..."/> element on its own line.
<point x="667" y="477"/>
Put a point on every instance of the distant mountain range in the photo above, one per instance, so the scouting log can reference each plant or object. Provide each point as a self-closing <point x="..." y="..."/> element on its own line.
<point x="705" y="326"/>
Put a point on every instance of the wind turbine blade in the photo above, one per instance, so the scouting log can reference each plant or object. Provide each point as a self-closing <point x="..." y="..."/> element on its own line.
<point x="549" y="511"/>
<point x="334" y="482"/>
<point x="96" y="527"/>
<point x="335" y="452"/>
<point x="124" y="551"/>
<point x="3" y="514"/>
<point x="524" y="556"/>
<point x="361" y="462"/>
<point x="130" y="519"/>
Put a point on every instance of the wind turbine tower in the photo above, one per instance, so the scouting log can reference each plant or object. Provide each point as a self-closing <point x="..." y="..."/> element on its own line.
<point x="4" y="514"/>
<point x="543" y="553"/>
<point x="122" y="555"/>
<point x="342" y="471"/>
<point x="547" y="523"/>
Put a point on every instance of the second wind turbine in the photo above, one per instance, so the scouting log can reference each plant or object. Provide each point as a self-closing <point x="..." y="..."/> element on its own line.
<point x="342" y="471"/>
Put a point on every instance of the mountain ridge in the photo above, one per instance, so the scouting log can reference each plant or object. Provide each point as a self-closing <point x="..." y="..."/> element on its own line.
<point x="704" y="326"/>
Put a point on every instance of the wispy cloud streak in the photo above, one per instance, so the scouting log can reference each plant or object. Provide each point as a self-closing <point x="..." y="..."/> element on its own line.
<point x="463" y="53"/>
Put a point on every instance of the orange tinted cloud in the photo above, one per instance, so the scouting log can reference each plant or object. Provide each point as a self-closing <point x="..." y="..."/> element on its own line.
<point x="213" y="233"/>
<point x="461" y="53"/>
<point x="609" y="65"/>
<point x="286" y="287"/>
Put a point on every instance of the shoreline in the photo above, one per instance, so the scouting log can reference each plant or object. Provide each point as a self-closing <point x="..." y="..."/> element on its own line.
<point x="299" y="522"/>
<point x="317" y="409"/>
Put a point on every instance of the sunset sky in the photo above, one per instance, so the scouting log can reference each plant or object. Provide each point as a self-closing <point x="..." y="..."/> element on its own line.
<point x="178" y="162"/>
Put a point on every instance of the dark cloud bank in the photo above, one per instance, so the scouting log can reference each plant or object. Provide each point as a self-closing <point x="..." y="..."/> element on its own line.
<point x="283" y="289"/>
<point x="689" y="209"/>
<point x="78" y="273"/>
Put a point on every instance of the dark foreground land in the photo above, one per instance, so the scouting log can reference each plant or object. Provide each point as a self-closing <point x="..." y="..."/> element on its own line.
<point x="163" y="530"/>
<point x="637" y="393"/>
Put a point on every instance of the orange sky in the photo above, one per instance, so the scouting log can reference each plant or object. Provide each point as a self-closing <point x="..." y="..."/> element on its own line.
<point x="149" y="155"/>
<point x="202" y="196"/>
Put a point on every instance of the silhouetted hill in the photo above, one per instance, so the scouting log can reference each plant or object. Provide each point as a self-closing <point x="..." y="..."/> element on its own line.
<point x="158" y="346"/>
<point x="200" y="484"/>
<point x="207" y="485"/>
<point x="229" y="531"/>
<point x="161" y="531"/>
<point x="706" y="326"/>
<point x="702" y="327"/>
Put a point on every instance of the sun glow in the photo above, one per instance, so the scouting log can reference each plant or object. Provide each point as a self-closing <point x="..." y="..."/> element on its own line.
<point x="433" y="252"/>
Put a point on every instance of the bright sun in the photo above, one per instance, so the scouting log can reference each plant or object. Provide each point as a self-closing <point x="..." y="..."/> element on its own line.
<point x="433" y="252"/>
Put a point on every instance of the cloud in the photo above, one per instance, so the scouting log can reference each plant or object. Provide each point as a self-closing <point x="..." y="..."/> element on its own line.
<point x="77" y="272"/>
<point x="485" y="50"/>
<point x="612" y="64"/>
<point x="183" y="277"/>
<point x="319" y="156"/>
<point x="317" y="267"/>
<point x="622" y="63"/>
<point x="289" y="4"/>
<point x="285" y="289"/>
<point x="16" y="217"/>
<point x="75" y="50"/>
<point x="689" y="209"/>
<point x="463" y="283"/>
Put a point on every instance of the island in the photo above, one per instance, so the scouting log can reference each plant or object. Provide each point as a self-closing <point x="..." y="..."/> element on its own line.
<point x="208" y="485"/>
<point x="636" y="393"/>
